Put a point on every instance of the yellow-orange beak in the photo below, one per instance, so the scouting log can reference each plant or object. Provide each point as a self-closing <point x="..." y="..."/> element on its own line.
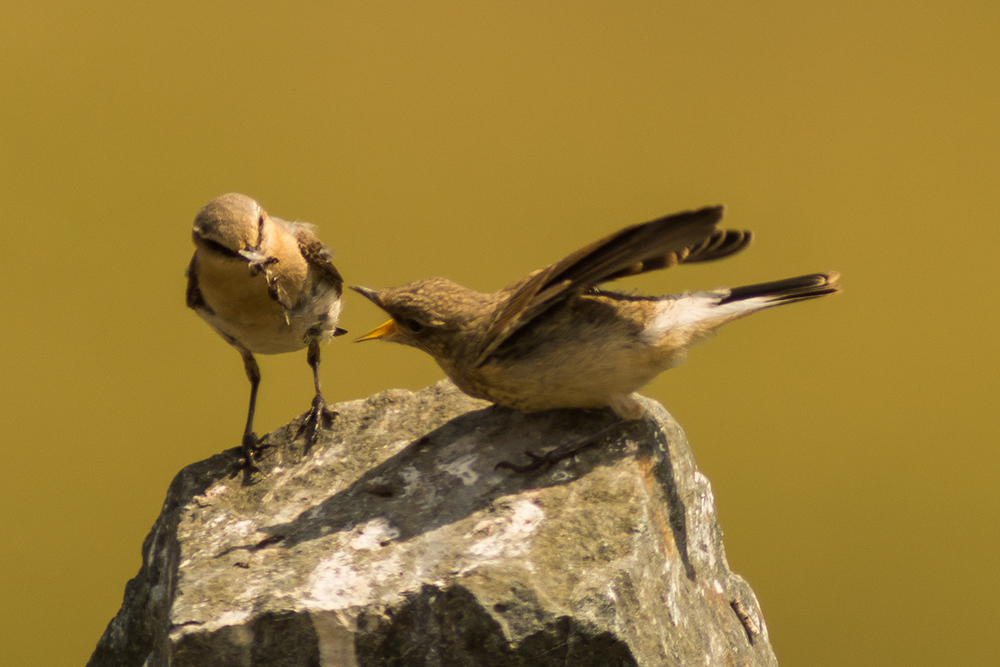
<point x="387" y="329"/>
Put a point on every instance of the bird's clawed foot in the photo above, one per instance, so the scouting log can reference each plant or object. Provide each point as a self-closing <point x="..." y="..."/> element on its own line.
<point x="250" y="451"/>
<point x="318" y="418"/>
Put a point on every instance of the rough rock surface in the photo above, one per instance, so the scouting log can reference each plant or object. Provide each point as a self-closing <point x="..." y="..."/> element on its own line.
<point x="394" y="541"/>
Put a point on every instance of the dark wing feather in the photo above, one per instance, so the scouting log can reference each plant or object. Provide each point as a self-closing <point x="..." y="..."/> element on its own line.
<point x="722" y="243"/>
<point x="317" y="254"/>
<point x="652" y="245"/>
<point x="193" y="296"/>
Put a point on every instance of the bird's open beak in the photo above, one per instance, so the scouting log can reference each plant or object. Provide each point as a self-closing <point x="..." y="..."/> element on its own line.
<point x="387" y="329"/>
<point x="384" y="331"/>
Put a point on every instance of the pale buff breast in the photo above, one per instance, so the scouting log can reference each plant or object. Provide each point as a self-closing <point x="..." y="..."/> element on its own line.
<point x="242" y="309"/>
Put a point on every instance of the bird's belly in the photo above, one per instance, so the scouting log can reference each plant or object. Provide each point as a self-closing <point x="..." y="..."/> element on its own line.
<point x="264" y="333"/>
<point x="569" y="376"/>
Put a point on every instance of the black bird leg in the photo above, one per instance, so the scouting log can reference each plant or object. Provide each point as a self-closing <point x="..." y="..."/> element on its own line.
<point x="319" y="416"/>
<point x="251" y="447"/>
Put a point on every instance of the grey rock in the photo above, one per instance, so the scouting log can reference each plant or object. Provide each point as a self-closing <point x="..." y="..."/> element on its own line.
<point x="395" y="541"/>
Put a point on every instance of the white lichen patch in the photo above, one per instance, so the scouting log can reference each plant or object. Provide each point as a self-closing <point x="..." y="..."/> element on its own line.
<point x="336" y="584"/>
<point x="242" y="527"/>
<point x="211" y="494"/>
<point x="220" y="519"/>
<point x="411" y="479"/>
<point x="462" y="468"/>
<point x="507" y="534"/>
<point x="340" y="583"/>
<point x="674" y="585"/>
<point x="373" y="535"/>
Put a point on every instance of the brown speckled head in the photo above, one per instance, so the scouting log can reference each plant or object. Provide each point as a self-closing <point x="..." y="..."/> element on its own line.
<point x="435" y="315"/>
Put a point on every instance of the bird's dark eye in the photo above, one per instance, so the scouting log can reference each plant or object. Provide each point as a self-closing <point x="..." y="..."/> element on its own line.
<point x="413" y="325"/>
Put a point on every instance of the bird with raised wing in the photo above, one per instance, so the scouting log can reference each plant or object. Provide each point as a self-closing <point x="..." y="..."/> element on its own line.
<point x="267" y="286"/>
<point x="554" y="340"/>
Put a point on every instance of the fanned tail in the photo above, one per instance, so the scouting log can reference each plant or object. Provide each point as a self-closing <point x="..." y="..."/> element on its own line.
<point x="788" y="290"/>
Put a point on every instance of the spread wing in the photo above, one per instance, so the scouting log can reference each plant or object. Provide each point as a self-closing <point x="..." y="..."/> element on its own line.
<point x="683" y="237"/>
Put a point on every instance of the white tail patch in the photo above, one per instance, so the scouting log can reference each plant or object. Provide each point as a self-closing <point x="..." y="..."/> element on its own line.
<point x="692" y="316"/>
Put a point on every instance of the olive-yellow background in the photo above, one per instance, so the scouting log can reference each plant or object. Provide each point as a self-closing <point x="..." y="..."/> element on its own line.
<point x="851" y="441"/>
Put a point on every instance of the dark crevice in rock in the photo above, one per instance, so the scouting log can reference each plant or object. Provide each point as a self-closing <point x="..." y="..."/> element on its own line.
<point x="663" y="469"/>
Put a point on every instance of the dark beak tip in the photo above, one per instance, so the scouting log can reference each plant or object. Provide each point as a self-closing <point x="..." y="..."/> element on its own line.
<point x="370" y="294"/>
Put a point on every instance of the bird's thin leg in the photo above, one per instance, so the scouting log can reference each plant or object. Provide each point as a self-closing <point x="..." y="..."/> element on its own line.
<point x="559" y="453"/>
<point x="320" y="416"/>
<point x="313" y="359"/>
<point x="251" y="444"/>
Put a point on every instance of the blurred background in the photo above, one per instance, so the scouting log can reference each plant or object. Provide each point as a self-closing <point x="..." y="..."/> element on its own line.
<point x="851" y="441"/>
